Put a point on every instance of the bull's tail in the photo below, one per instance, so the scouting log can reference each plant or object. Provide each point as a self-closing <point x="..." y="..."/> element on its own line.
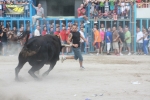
<point x="27" y="52"/>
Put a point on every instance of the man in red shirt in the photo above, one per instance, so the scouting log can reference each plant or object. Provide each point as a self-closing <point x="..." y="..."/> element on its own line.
<point x="81" y="13"/>
<point x="63" y="37"/>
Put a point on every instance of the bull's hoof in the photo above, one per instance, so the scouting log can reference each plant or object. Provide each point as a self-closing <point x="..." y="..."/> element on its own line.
<point x="44" y="74"/>
<point x="17" y="79"/>
<point x="38" y="79"/>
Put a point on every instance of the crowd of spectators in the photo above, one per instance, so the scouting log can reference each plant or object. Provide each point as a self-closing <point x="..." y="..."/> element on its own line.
<point x="143" y="3"/>
<point x="108" y="9"/>
<point x="104" y="39"/>
<point x="111" y="9"/>
<point x="120" y="38"/>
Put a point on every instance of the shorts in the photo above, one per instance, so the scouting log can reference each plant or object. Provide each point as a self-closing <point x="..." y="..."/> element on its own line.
<point x="63" y="42"/>
<point x="77" y="54"/>
<point x="115" y="45"/>
<point x="129" y="45"/>
<point x="95" y="15"/>
<point x="102" y="44"/>
<point x="91" y="11"/>
<point x="112" y="7"/>
<point x="97" y="44"/>
<point x="139" y="46"/>
<point x="121" y="44"/>
<point x="4" y="44"/>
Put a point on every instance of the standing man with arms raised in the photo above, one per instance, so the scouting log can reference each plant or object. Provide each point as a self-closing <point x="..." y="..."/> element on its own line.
<point x="40" y="13"/>
<point x="75" y="36"/>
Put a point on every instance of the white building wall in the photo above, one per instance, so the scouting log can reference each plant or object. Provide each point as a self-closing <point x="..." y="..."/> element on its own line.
<point x="143" y="12"/>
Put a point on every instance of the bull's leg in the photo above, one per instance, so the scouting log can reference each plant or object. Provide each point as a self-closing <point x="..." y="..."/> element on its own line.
<point x="52" y="64"/>
<point x="34" y="69"/>
<point x="17" y="69"/>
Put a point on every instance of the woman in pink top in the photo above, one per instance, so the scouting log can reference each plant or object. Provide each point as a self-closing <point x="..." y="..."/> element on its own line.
<point x="102" y="34"/>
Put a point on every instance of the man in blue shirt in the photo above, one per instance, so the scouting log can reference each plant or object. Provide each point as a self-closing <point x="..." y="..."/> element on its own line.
<point x="108" y="40"/>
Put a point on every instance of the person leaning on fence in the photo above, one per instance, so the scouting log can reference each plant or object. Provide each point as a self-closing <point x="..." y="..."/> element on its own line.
<point x="40" y="13"/>
<point x="81" y="13"/>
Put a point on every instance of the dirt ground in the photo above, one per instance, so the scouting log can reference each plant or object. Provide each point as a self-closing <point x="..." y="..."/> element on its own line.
<point x="105" y="78"/>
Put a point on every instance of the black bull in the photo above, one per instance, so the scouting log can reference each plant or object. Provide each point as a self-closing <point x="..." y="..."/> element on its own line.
<point x="39" y="51"/>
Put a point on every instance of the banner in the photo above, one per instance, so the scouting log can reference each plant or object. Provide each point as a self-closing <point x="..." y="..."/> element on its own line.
<point x="14" y="9"/>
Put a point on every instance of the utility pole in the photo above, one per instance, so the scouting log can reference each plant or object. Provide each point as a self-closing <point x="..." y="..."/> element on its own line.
<point x="132" y="23"/>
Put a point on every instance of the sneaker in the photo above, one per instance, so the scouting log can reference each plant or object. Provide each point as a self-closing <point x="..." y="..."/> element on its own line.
<point x="129" y="54"/>
<point x="121" y="54"/>
<point x="97" y="54"/>
<point x="82" y="67"/>
<point x="63" y="59"/>
<point x="87" y="21"/>
<point x="95" y="22"/>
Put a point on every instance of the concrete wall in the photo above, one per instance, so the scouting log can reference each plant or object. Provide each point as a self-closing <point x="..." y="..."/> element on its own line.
<point x="143" y="12"/>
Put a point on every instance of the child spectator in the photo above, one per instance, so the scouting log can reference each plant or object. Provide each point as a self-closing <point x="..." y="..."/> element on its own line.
<point x="119" y="9"/>
<point x="126" y="14"/>
<point x="102" y="6"/>
<point x="106" y="5"/>
<point x="111" y="4"/>
<point x="110" y="15"/>
<point x="122" y="7"/>
<point x="96" y="4"/>
<point x="95" y="14"/>
<point x="26" y="8"/>
<point x="105" y="14"/>
<point x="100" y="14"/>
<point x="127" y="8"/>
<point x="114" y="15"/>
<point x="92" y="9"/>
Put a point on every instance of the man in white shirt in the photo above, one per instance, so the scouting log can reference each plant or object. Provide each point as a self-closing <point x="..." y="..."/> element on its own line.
<point x="37" y="31"/>
<point x="82" y="44"/>
<point x="139" y="41"/>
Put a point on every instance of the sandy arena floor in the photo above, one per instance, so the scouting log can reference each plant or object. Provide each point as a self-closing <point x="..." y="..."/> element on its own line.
<point x="105" y="78"/>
